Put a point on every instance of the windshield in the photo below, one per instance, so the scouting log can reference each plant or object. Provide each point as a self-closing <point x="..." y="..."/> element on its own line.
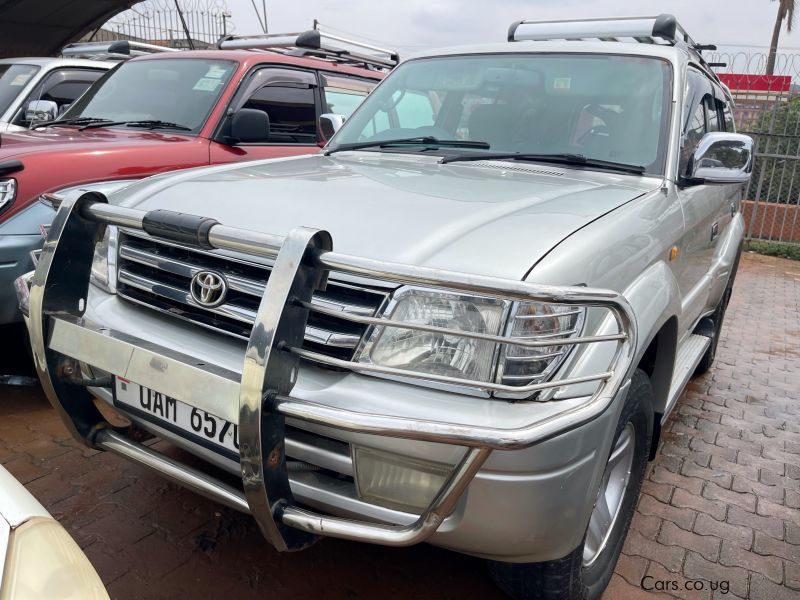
<point x="182" y="91"/>
<point x="604" y="107"/>
<point x="13" y="79"/>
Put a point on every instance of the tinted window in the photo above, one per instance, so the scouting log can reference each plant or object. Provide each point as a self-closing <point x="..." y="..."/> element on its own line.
<point x="13" y="79"/>
<point x="697" y="96"/>
<point x="182" y="91"/>
<point x="526" y="103"/>
<point x="291" y="110"/>
<point x="727" y="113"/>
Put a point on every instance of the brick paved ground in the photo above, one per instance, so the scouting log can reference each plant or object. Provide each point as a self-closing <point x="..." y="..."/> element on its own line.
<point x="721" y="502"/>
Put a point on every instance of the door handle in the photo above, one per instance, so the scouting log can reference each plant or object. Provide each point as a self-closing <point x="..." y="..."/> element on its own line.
<point x="714" y="230"/>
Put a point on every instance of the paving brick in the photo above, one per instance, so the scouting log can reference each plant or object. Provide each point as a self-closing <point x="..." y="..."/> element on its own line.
<point x="632" y="568"/>
<point x="769" y="566"/>
<point x="696" y="567"/>
<point x="742" y="500"/>
<point x="647" y="525"/>
<point x="674" y="584"/>
<point x="684" y="499"/>
<point x="771" y="492"/>
<point x="683" y="517"/>
<point x="706" y="525"/>
<point x="692" y="485"/>
<point x="773" y="509"/>
<point x="706" y="545"/>
<point x="722" y="478"/>
<point x="762" y="588"/>
<point x="671" y="557"/>
<point x="619" y="589"/>
<point x="770" y="526"/>
<point x="765" y="544"/>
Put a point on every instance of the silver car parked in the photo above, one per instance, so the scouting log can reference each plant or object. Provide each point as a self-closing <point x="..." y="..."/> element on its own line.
<point x="535" y="243"/>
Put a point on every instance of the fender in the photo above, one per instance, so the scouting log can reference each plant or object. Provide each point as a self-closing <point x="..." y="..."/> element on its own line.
<point x="725" y="258"/>
<point x="655" y="298"/>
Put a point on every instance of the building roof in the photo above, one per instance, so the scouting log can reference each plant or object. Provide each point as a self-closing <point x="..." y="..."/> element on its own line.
<point x="43" y="27"/>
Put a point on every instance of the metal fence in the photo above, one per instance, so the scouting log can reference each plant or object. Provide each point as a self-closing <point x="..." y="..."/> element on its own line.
<point x="768" y="109"/>
<point x="167" y="22"/>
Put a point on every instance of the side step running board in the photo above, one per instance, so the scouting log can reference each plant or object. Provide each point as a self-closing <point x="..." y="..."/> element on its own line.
<point x="689" y="355"/>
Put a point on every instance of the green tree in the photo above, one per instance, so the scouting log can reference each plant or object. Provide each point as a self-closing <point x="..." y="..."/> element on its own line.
<point x="785" y="13"/>
<point x="776" y="177"/>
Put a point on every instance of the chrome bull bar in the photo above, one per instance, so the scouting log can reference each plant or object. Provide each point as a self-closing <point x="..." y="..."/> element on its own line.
<point x="303" y="260"/>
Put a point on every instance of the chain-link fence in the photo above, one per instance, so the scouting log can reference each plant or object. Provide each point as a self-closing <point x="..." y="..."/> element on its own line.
<point x="768" y="109"/>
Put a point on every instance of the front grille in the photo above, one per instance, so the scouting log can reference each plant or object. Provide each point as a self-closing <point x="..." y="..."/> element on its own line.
<point x="158" y="274"/>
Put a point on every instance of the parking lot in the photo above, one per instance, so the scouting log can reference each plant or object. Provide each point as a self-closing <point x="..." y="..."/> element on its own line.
<point x="720" y="504"/>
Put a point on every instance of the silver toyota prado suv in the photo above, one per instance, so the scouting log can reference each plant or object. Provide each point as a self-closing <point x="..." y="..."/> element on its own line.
<point x="463" y="322"/>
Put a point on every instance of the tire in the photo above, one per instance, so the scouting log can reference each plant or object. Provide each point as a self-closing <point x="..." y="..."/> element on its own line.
<point x="569" y="578"/>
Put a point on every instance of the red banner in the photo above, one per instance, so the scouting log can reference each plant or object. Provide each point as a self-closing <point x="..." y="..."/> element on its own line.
<point x="756" y="83"/>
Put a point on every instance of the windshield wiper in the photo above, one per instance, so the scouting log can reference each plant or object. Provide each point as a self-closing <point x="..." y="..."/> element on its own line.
<point x="75" y="121"/>
<point x="568" y="159"/>
<point x="426" y="140"/>
<point x="146" y="124"/>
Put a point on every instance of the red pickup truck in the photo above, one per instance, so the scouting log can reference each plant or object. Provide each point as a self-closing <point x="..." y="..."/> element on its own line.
<point x="168" y="111"/>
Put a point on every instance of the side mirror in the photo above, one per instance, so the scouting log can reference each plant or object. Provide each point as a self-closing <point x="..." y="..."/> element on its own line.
<point x="39" y="111"/>
<point x="249" y="125"/>
<point x="723" y="158"/>
<point x="329" y="123"/>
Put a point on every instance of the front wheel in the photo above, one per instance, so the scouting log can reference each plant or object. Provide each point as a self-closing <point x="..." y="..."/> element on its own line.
<point x="586" y="571"/>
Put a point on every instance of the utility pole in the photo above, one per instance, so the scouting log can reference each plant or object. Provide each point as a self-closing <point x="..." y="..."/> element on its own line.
<point x="264" y="7"/>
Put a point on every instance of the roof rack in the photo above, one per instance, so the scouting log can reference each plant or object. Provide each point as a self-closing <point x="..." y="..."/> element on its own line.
<point x="661" y="29"/>
<point x="314" y="42"/>
<point x="117" y="50"/>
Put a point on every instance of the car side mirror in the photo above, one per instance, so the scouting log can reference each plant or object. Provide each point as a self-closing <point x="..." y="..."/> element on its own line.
<point x="329" y="123"/>
<point x="39" y="111"/>
<point x="723" y="158"/>
<point x="249" y="125"/>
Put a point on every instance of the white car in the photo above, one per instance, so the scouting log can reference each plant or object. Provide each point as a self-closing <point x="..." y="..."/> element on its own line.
<point x="41" y="560"/>
<point x="57" y="80"/>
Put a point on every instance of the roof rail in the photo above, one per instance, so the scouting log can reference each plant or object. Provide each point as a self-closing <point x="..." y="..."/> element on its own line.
<point x="661" y="29"/>
<point x="315" y="42"/>
<point x="116" y="50"/>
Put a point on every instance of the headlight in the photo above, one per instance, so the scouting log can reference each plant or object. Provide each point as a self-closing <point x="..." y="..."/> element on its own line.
<point x="104" y="262"/>
<point x="45" y="562"/>
<point x="8" y="191"/>
<point x="441" y="354"/>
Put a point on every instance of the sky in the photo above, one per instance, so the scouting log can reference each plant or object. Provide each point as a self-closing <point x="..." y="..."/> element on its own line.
<point x="418" y="24"/>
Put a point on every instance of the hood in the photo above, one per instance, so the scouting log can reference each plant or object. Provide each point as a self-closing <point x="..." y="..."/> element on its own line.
<point x="43" y="27"/>
<point x="491" y="218"/>
<point x="56" y="140"/>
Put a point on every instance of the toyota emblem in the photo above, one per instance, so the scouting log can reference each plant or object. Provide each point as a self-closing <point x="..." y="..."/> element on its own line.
<point x="208" y="288"/>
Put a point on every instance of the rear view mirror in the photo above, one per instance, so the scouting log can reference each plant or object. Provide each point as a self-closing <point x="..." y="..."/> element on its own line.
<point x="329" y="123"/>
<point x="39" y="111"/>
<point x="723" y="158"/>
<point x="249" y="125"/>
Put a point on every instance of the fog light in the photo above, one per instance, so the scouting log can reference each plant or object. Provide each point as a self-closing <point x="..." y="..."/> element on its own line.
<point x="395" y="481"/>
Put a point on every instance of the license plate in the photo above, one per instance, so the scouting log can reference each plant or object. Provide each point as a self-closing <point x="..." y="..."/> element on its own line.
<point x="178" y="417"/>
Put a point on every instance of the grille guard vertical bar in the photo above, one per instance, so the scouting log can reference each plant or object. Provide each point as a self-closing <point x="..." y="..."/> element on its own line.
<point x="60" y="283"/>
<point x="270" y="370"/>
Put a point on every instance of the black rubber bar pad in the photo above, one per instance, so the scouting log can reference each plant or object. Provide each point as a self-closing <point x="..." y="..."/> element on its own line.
<point x="179" y="227"/>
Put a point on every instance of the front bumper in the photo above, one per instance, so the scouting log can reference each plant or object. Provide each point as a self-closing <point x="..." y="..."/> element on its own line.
<point x="264" y="393"/>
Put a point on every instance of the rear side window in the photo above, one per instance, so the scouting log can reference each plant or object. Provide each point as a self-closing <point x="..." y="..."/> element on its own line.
<point x="342" y="95"/>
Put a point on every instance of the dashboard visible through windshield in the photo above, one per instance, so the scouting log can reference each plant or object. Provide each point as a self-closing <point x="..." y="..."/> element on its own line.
<point x="612" y="108"/>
